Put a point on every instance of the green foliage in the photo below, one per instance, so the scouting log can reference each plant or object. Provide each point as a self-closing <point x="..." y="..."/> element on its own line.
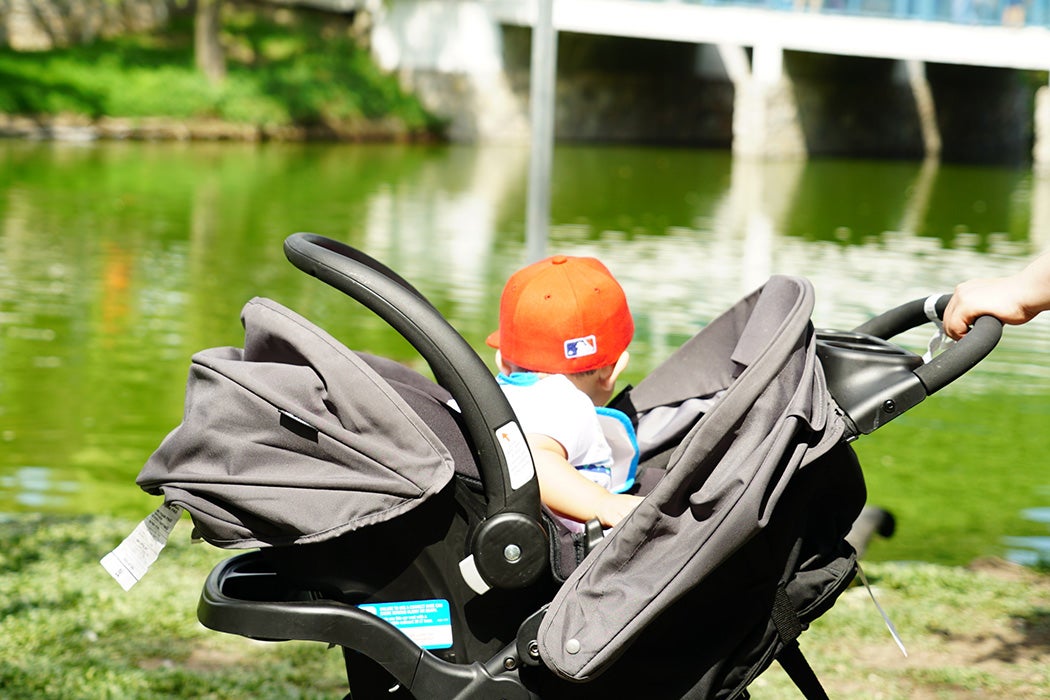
<point x="298" y="71"/>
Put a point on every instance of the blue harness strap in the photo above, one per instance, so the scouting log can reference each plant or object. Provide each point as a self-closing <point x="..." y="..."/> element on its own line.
<point x="619" y="433"/>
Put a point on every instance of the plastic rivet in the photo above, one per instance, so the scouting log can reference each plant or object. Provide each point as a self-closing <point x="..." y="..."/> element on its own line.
<point x="573" y="646"/>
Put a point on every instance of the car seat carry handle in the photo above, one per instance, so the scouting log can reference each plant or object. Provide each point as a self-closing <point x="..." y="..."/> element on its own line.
<point x="454" y="363"/>
<point x="957" y="359"/>
<point x="509" y="547"/>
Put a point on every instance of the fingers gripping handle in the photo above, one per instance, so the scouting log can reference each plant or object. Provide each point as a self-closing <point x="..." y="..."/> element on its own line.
<point x="961" y="357"/>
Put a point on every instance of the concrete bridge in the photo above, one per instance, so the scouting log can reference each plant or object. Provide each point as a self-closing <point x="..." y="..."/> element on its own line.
<point x="962" y="79"/>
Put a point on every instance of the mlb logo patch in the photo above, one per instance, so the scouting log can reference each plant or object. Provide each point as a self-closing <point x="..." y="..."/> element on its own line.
<point x="580" y="347"/>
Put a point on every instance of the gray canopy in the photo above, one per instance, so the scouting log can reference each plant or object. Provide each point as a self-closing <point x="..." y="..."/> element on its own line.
<point x="293" y="439"/>
<point x="723" y="481"/>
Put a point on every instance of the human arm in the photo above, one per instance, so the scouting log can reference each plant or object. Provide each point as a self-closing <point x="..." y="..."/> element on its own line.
<point x="1014" y="299"/>
<point x="567" y="492"/>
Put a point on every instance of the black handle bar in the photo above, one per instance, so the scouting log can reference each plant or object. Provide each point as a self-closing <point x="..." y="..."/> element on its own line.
<point x="505" y="464"/>
<point x="455" y="364"/>
<point x="955" y="361"/>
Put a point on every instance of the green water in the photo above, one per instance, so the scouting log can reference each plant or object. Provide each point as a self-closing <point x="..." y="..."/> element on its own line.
<point x="119" y="260"/>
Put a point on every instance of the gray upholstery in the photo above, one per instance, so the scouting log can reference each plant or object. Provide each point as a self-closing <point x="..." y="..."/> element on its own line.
<point x="723" y="479"/>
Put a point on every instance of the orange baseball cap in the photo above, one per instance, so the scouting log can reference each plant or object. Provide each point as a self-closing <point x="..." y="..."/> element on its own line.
<point x="563" y="315"/>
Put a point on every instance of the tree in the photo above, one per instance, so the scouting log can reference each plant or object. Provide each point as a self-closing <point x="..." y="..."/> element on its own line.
<point x="207" y="47"/>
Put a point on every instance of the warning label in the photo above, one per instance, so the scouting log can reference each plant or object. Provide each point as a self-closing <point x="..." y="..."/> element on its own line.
<point x="428" y="623"/>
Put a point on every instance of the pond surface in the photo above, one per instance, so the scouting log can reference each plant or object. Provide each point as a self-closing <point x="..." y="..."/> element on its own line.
<point x="120" y="260"/>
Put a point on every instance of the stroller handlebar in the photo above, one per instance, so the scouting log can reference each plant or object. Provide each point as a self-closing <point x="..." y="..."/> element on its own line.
<point x="874" y="381"/>
<point x="961" y="357"/>
<point x="511" y="492"/>
<point x="955" y="361"/>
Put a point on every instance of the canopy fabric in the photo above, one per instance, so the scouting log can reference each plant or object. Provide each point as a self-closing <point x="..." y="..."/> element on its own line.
<point x="293" y="439"/>
<point x="773" y="416"/>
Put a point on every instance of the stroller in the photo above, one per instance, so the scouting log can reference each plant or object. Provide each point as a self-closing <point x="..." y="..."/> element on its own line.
<point x="399" y="518"/>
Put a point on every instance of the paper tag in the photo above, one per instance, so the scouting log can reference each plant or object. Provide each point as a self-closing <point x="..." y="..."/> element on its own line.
<point x="939" y="337"/>
<point x="428" y="623"/>
<point x="131" y="559"/>
<point x="516" y="450"/>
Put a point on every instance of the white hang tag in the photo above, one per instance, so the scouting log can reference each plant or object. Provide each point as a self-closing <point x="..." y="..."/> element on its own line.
<point x="885" y="617"/>
<point x="939" y="337"/>
<point x="131" y="559"/>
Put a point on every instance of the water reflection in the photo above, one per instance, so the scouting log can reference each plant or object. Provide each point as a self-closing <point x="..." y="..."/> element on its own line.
<point x="1035" y="550"/>
<point x="442" y="225"/>
<point x="118" y="261"/>
<point x="38" y="488"/>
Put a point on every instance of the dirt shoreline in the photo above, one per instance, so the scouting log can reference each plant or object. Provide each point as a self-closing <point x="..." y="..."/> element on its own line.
<point x="80" y="128"/>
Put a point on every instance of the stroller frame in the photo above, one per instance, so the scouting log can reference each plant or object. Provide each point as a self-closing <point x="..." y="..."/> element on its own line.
<point x="503" y="543"/>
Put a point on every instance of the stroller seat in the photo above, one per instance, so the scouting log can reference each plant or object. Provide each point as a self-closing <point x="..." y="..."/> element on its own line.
<point x="451" y="581"/>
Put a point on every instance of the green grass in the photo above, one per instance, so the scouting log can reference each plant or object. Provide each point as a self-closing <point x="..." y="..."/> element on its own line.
<point x="292" y="72"/>
<point x="957" y="472"/>
<point x="68" y="630"/>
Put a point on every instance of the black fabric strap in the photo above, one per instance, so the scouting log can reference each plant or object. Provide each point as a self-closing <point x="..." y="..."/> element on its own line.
<point x="789" y="627"/>
<point x="800" y="672"/>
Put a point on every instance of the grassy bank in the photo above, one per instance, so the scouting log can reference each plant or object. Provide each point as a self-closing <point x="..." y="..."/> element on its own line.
<point x="68" y="630"/>
<point x="288" y="74"/>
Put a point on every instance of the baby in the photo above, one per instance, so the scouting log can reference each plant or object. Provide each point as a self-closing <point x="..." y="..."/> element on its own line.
<point x="564" y="327"/>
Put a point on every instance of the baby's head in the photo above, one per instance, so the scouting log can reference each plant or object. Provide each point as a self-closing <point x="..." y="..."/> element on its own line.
<point x="566" y="315"/>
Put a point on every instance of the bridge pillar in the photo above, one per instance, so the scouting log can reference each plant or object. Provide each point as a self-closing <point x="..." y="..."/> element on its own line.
<point x="766" y="122"/>
<point x="913" y="74"/>
<point x="1041" y="149"/>
<point x="450" y="54"/>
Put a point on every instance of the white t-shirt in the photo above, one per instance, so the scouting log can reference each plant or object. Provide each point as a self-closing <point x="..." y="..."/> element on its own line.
<point x="551" y="405"/>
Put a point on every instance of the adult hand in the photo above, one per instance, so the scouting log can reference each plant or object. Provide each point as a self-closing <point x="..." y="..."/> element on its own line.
<point x="1015" y="299"/>
<point x="1002" y="297"/>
